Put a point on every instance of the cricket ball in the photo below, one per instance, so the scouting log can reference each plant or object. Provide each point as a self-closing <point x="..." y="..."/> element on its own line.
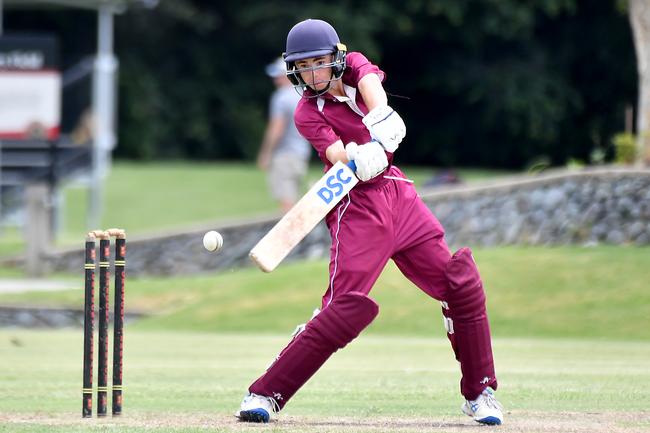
<point x="212" y="241"/>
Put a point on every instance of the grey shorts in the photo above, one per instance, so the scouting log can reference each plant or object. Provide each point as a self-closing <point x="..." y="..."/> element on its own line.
<point x="286" y="176"/>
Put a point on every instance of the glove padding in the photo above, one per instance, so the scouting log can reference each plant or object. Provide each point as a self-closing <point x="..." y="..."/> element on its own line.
<point x="385" y="126"/>
<point x="370" y="159"/>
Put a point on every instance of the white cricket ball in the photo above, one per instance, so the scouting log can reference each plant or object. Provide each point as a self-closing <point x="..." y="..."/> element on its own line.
<point x="212" y="241"/>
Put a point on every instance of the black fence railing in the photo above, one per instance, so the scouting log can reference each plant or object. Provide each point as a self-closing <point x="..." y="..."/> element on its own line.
<point x="24" y="162"/>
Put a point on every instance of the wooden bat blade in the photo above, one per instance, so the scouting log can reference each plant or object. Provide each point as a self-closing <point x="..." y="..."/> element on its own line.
<point x="303" y="216"/>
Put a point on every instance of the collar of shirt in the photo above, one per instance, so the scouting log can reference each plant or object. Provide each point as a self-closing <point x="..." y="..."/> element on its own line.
<point x="350" y="98"/>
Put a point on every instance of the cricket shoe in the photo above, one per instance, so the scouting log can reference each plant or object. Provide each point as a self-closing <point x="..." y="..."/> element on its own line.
<point x="485" y="409"/>
<point x="257" y="408"/>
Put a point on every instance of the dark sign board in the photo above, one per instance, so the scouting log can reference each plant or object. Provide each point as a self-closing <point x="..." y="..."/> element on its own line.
<point x="30" y="87"/>
<point x="29" y="52"/>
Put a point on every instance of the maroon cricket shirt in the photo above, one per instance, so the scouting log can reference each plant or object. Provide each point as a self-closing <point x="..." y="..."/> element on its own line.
<point x="326" y="119"/>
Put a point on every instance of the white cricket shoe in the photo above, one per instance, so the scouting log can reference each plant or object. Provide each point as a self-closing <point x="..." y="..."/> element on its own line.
<point x="257" y="408"/>
<point x="485" y="409"/>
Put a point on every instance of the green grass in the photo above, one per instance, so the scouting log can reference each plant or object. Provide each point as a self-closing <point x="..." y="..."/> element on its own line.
<point x="178" y="381"/>
<point x="571" y="331"/>
<point x="145" y="198"/>
<point x="566" y="292"/>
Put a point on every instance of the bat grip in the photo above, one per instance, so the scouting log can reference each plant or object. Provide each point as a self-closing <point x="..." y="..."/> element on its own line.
<point x="352" y="166"/>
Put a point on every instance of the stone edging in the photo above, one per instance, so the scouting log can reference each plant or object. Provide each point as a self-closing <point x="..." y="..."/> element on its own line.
<point x="589" y="206"/>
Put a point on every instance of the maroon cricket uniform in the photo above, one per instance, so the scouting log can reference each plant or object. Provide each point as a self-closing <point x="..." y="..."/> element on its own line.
<point x="381" y="219"/>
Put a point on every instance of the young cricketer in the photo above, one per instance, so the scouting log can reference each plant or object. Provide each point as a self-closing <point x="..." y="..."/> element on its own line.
<point x="344" y="114"/>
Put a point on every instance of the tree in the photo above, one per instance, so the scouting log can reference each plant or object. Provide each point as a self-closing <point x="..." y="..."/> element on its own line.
<point x="499" y="83"/>
<point x="640" y="19"/>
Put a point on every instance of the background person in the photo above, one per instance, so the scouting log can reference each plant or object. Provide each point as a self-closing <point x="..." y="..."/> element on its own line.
<point x="284" y="154"/>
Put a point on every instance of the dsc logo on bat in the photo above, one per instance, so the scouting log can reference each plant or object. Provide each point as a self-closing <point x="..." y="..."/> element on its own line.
<point x="333" y="186"/>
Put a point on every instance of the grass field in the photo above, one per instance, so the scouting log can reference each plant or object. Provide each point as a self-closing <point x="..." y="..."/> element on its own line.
<point x="149" y="197"/>
<point x="192" y="382"/>
<point x="572" y="344"/>
<point x="571" y="331"/>
<point x="563" y="292"/>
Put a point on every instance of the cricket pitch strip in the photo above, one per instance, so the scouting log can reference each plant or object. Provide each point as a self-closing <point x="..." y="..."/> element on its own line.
<point x="515" y="421"/>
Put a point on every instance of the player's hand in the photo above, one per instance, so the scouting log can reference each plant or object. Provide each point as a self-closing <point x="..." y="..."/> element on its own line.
<point x="370" y="159"/>
<point x="264" y="161"/>
<point x="385" y="126"/>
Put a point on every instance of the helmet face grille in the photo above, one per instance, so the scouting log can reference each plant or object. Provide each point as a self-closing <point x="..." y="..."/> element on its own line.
<point x="314" y="38"/>
<point x="337" y="66"/>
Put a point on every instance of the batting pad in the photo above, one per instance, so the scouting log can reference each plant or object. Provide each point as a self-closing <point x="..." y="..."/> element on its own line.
<point x="471" y="338"/>
<point x="333" y="328"/>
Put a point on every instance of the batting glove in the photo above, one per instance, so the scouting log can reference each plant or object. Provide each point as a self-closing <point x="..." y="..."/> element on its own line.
<point x="370" y="159"/>
<point x="386" y="127"/>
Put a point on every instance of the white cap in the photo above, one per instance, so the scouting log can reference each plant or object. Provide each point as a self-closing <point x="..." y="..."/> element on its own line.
<point x="277" y="68"/>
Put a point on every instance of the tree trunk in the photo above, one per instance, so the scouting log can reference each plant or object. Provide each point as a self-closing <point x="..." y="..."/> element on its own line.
<point x="640" y="20"/>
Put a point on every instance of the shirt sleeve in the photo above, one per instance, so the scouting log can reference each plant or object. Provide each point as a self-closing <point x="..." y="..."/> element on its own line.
<point x="357" y="67"/>
<point x="314" y="128"/>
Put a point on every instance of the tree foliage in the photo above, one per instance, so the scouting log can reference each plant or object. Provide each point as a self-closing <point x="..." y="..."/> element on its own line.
<point x="482" y="82"/>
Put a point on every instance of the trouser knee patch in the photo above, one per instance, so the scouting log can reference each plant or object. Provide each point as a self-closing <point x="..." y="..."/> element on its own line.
<point x="466" y="295"/>
<point x="344" y="319"/>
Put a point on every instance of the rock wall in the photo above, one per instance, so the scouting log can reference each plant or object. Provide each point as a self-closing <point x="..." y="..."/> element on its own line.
<point x="43" y="317"/>
<point x="183" y="253"/>
<point x="605" y="205"/>
<point x="584" y="207"/>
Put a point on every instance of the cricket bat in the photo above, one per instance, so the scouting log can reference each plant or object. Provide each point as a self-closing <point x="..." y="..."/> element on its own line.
<point x="304" y="215"/>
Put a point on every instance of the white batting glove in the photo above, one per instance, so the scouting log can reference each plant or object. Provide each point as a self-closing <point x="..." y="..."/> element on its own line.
<point x="351" y="150"/>
<point x="385" y="126"/>
<point x="370" y="159"/>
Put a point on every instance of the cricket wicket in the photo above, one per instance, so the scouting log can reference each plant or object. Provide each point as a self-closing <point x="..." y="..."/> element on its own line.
<point x="103" y="322"/>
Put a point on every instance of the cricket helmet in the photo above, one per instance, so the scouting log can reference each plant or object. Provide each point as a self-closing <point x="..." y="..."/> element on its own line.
<point x="314" y="38"/>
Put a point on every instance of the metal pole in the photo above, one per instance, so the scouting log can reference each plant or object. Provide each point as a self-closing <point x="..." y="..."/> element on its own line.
<point x="103" y="110"/>
<point x="1" y="183"/>
<point x="1" y="219"/>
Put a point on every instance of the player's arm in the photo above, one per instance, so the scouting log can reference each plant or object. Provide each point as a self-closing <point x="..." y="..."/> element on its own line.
<point x="384" y="124"/>
<point x="373" y="94"/>
<point x="336" y="152"/>
<point x="274" y="130"/>
<point x="372" y="91"/>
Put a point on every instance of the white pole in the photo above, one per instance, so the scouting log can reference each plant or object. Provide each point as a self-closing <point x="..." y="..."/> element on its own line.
<point x="103" y="111"/>
<point x="105" y="67"/>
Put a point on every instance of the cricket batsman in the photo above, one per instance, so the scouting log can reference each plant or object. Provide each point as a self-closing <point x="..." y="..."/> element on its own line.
<point x="344" y="114"/>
